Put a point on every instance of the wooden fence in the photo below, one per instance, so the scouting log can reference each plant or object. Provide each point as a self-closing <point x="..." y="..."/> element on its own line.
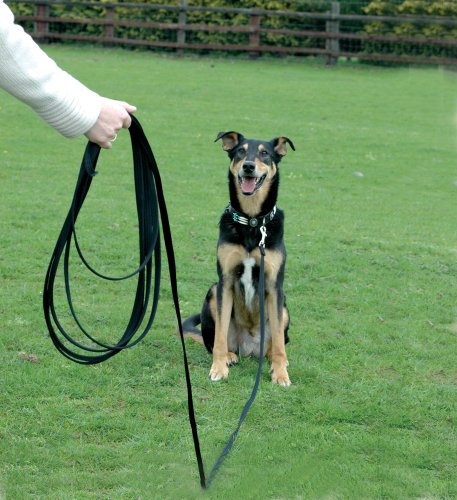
<point x="330" y="36"/>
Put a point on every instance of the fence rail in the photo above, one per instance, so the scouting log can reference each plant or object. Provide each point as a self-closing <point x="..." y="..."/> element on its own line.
<point x="333" y="35"/>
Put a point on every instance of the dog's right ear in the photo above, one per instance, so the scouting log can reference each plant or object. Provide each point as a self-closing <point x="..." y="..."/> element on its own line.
<point x="229" y="139"/>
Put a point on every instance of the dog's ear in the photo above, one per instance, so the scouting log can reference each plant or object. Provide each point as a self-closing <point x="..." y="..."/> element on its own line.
<point x="279" y="145"/>
<point x="229" y="139"/>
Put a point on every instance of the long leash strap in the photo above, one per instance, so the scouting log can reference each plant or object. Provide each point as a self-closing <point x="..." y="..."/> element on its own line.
<point x="149" y="200"/>
<point x="174" y="288"/>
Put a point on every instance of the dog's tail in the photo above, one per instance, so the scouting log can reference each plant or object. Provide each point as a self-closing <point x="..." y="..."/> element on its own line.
<point x="189" y="327"/>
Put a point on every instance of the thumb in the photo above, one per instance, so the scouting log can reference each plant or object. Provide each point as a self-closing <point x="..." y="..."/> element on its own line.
<point x="130" y="108"/>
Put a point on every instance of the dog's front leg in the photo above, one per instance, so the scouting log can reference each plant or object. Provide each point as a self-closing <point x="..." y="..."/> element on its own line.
<point x="277" y="355"/>
<point x="222" y="358"/>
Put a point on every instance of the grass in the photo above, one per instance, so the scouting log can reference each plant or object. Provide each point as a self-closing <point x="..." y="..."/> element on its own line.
<point x="371" y="285"/>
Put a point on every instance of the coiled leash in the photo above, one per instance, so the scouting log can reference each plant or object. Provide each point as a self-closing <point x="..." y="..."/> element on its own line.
<point x="149" y="200"/>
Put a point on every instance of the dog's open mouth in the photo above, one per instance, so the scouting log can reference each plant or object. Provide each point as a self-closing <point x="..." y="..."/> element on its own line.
<point x="249" y="185"/>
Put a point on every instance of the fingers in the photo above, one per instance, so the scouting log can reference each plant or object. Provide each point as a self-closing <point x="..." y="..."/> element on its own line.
<point x="127" y="121"/>
<point x="130" y="110"/>
<point x="114" y="116"/>
<point x="104" y="145"/>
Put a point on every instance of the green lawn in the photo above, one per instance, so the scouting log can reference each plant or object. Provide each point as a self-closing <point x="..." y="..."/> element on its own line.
<point x="370" y="201"/>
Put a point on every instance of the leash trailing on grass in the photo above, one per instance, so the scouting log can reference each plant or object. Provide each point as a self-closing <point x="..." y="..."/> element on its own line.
<point x="151" y="209"/>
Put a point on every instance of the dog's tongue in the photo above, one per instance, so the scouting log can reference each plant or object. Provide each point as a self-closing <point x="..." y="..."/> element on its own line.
<point x="248" y="185"/>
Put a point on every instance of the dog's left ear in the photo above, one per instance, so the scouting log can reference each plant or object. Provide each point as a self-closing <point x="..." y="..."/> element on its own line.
<point x="279" y="145"/>
<point x="229" y="139"/>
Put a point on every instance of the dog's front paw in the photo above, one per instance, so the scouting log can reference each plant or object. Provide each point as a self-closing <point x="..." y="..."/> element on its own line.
<point x="280" y="376"/>
<point x="219" y="369"/>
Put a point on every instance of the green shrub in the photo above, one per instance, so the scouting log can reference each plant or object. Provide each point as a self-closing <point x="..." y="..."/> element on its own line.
<point x="144" y="14"/>
<point x="410" y="29"/>
<point x="220" y="38"/>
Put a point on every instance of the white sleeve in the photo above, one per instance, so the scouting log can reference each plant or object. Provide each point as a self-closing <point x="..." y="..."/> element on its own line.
<point x="29" y="74"/>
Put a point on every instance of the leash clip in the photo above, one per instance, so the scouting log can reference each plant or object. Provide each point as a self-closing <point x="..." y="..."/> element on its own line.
<point x="263" y="231"/>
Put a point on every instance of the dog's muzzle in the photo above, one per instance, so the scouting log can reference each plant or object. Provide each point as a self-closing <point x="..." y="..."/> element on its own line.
<point x="248" y="180"/>
<point x="248" y="168"/>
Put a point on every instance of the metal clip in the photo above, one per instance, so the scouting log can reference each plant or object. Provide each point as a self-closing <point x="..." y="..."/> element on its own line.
<point x="263" y="231"/>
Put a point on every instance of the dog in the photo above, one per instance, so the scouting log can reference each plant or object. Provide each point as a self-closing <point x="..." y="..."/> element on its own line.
<point x="230" y="316"/>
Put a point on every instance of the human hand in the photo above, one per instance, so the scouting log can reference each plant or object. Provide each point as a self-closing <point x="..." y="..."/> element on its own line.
<point x="114" y="115"/>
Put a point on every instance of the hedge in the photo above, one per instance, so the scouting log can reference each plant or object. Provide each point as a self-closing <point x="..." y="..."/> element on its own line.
<point x="374" y="8"/>
<point x="409" y="29"/>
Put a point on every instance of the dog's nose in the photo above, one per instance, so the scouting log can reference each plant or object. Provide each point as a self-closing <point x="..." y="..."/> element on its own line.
<point x="248" y="167"/>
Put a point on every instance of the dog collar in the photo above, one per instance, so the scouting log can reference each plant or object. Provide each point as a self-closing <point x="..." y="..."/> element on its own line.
<point x="250" y="221"/>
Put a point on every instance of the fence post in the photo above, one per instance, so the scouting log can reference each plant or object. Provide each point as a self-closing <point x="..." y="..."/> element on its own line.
<point x="109" y="26"/>
<point x="41" y="28"/>
<point x="182" y="19"/>
<point x="254" y="35"/>
<point x="332" y="27"/>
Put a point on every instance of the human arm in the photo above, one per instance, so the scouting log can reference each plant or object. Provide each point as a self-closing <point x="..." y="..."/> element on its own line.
<point x="27" y="73"/>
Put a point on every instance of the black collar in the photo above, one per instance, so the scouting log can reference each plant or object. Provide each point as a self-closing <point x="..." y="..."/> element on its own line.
<point x="250" y="221"/>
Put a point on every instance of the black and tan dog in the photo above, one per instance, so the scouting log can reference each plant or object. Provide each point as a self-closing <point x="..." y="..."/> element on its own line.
<point x="230" y="319"/>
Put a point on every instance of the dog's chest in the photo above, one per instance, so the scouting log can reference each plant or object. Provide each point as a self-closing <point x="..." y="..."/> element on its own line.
<point x="246" y="288"/>
<point x="246" y="280"/>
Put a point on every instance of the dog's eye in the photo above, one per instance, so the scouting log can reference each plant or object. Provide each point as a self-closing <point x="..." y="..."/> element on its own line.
<point x="264" y="153"/>
<point x="241" y="152"/>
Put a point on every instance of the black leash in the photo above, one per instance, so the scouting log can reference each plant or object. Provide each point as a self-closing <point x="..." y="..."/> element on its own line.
<point x="149" y="200"/>
<point x="249" y="402"/>
<point x="145" y="170"/>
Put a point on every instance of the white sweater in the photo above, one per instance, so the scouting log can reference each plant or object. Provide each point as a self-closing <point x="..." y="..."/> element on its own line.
<point x="29" y="74"/>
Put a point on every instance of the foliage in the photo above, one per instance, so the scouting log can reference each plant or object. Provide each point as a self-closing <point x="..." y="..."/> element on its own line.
<point x="369" y="198"/>
<point x="417" y="33"/>
<point x="144" y="14"/>
<point x="410" y="29"/>
<point x="24" y="9"/>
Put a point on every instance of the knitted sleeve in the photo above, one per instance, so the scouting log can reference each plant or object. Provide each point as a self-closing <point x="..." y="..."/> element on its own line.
<point x="29" y="74"/>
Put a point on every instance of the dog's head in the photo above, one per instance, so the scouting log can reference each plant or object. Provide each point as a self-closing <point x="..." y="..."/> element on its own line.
<point x="254" y="168"/>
